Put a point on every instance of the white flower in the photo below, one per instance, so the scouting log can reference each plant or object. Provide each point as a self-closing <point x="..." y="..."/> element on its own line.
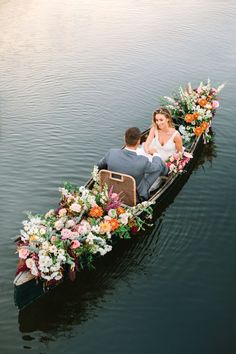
<point x="61" y="252"/>
<point x="44" y="262"/>
<point x="64" y="192"/>
<point x="59" y="224"/>
<point x="107" y="218"/>
<point x="75" y="207"/>
<point x="58" y="277"/>
<point x="95" y="175"/>
<point x="95" y="229"/>
<point x="27" y="227"/>
<point x="112" y="213"/>
<point x="42" y="253"/>
<point x="55" y="267"/>
<point x="45" y="245"/>
<point x="53" y="249"/>
<point x="34" y="230"/>
<point x="220" y="88"/>
<point x="169" y="99"/>
<point x="30" y="263"/>
<point x="61" y="258"/>
<point x="24" y="235"/>
<point x="70" y="224"/>
<point x="124" y="218"/>
<point x="90" y="238"/>
<point x="82" y="189"/>
<point x="42" y="231"/>
<point x="50" y="213"/>
<point x="91" y="200"/>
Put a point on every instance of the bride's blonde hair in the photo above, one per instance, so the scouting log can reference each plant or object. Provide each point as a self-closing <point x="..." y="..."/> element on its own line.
<point x="166" y="113"/>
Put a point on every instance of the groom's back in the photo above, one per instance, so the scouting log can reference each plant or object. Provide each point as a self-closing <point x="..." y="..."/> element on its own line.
<point x="127" y="162"/>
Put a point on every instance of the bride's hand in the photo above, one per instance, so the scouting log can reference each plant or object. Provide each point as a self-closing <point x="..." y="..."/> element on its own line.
<point x="152" y="150"/>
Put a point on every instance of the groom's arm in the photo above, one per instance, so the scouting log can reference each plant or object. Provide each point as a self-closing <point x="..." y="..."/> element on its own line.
<point x="157" y="165"/>
<point x="102" y="164"/>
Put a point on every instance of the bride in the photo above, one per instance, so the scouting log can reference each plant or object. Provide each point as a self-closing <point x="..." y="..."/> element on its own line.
<point x="163" y="138"/>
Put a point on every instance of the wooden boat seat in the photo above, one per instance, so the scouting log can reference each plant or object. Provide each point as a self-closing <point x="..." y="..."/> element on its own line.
<point x="123" y="184"/>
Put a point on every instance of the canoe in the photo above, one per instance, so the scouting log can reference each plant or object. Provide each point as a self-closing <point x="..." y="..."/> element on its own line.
<point x="28" y="288"/>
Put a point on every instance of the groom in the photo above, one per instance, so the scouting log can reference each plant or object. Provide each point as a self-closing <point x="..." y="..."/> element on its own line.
<point x="128" y="162"/>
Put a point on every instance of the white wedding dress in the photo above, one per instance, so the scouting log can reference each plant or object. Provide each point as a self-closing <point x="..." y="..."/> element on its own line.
<point x="165" y="151"/>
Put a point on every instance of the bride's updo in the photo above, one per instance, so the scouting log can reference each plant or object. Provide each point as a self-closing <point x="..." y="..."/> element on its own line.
<point x="166" y="113"/>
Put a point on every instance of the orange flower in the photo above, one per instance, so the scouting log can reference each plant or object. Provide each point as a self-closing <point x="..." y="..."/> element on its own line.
<point x="204" y="125"/>
<point x="198" y="131"/>
<point x="196" y="115"/>
<point x="114" y="224"/>
<point x="202" y="102"/>
<point x="189" y="118"/>
<point x="105" y="226"/>
<point x="96" y="212"/>
<point x="120" y="210"/>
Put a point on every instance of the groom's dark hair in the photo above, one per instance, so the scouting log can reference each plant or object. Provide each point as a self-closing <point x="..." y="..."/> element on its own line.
<point x="132" y="136"/>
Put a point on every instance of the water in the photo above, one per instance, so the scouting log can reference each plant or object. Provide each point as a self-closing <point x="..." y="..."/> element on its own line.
<point x="73" y="76"/>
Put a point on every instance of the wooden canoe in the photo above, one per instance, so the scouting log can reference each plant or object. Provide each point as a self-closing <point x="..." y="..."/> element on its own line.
<point x="27" y="289"/>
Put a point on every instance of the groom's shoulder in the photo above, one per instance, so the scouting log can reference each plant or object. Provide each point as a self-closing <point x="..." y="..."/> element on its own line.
<point x="114" y="151"/>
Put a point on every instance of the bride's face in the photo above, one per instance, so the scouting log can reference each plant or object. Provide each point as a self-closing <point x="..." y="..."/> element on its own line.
<point x="161" y="121"/>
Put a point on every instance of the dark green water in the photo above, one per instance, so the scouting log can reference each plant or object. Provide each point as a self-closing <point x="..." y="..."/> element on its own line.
<point x="73" y="76"/>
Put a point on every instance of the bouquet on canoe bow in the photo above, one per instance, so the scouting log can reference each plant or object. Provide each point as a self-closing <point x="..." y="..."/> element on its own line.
<point x="88" y="221"/>
<point x="84" y="225"/>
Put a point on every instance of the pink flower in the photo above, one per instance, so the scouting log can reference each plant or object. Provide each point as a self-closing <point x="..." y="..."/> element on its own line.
<point x="70" y="223"/>
<point x="23" y="253"/>
<point x="75" y="207"/>
<point x="199" y="90"/>
<point x="213" y="91"/>
<point x="75" y="244"/>
<point x="66" y="233"/>
<point x="215" y="104"/>
<point x="59" y="224"/>
<point x="176" y="156"/>
<point x="62" y="212"/>
<point x="134" y="229"/>
<point x="82" y="228"/>
<point x="53" y="238"/>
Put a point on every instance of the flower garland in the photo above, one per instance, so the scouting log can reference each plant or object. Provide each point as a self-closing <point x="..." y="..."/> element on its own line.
<point x="81" y="228"/>
<point x="194" y="109"/>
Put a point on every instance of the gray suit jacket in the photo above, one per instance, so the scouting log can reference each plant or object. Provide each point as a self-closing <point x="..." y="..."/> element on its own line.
<point x="138" y="166"/>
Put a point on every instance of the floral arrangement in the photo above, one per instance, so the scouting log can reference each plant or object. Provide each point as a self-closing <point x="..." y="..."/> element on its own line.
<point x="177" y="162"/>
<point x="83" y="226"/>
<point x="194" y="109"/>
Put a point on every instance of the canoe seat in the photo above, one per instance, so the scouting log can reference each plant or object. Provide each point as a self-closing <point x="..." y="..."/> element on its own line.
<point x="122" y="184"/>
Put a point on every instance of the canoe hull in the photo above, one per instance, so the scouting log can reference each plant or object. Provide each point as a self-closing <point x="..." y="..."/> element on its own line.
<point x="32" y="290"/>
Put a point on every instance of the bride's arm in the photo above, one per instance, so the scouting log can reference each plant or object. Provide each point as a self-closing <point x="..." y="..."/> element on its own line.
<point x="149" y="140"/>
<point x="178" y="143"/>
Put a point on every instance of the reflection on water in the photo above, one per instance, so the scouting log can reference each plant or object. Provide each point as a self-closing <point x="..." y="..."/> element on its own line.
<point x="207" y="155"/>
